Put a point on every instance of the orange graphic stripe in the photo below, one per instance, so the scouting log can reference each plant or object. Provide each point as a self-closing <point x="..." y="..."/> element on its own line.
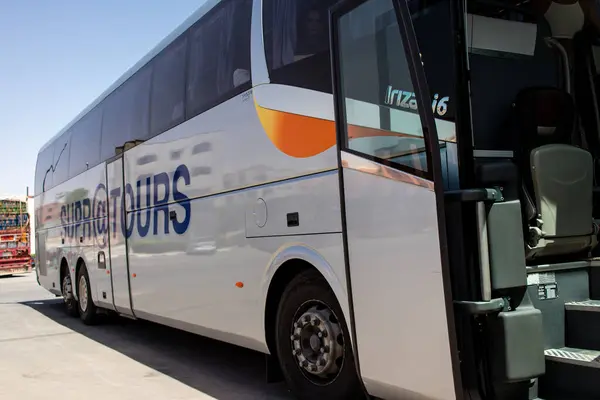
<point x="301" y="136"/>
<point x="297" y="135"/>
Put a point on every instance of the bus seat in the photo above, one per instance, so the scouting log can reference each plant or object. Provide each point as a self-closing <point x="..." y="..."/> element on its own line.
<point x="557" y="177"/>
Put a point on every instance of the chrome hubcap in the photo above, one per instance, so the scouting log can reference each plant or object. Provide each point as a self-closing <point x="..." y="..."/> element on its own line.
<point x="83" y="293"/>
<point x="318" y="342"/>
<point x="67" y="289"/>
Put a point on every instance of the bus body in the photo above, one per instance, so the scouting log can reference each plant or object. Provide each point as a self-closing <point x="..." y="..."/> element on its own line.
<point x="362" y="190"/>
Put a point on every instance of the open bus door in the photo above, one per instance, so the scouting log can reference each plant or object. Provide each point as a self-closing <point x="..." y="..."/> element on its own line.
<point x="400" y="250"/>
<point x="392" y="205"/>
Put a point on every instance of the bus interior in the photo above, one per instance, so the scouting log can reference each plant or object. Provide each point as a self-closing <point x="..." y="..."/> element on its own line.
<point x="534" y="144"/>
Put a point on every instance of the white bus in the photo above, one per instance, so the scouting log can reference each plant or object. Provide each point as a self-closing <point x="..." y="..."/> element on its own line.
<point x="389" y="198"/>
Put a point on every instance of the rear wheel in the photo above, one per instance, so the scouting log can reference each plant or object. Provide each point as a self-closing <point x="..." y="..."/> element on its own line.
<point x="313" y="342"/>
<point x="67" y="293"/>
<point x="87" y="309"/>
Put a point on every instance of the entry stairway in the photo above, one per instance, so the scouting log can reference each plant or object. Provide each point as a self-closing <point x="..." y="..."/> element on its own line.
<point x="573" y="371"/>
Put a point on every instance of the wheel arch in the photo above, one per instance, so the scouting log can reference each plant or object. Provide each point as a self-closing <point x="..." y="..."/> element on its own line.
<point x="288" y="262"/>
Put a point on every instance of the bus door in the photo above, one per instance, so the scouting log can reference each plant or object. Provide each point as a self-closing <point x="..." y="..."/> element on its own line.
<point x="118" y="250"/>
<point x="391" y="191"/>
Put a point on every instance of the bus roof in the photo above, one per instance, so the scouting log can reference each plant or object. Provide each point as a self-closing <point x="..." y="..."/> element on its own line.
<point x="191" y="20"/>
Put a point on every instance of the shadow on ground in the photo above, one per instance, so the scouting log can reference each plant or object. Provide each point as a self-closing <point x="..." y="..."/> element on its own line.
<point x="218" y="369"/>
<point x="17" y="276"/>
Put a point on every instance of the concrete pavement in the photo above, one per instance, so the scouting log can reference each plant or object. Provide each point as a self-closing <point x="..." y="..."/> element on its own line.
<point x="46" y="354"/>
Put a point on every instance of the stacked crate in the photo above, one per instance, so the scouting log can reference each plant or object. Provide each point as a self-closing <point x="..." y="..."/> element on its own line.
<point x="14" y="236"/>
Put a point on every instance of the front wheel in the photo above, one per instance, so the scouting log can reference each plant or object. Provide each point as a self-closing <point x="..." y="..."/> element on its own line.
<point x="313" y="342"/>
<point x="87" y="309"/>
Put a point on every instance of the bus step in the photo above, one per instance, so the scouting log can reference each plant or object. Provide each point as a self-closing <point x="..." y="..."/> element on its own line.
<point x="583" y="324"/>
<point x="571" y="355"/>
<point x="571" y="373"/>
<point x="586" y="305"/>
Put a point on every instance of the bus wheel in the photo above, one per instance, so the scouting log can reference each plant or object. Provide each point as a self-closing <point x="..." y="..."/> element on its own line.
<point x="87" y="309"/>
<point x="313" y="342"/>
<point x="69" y="299"/>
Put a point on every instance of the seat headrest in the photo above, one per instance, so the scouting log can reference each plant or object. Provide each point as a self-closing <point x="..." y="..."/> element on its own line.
<point x="546" y="115"/>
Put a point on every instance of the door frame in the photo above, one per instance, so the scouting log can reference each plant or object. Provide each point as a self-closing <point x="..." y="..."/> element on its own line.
<point x="108" y="214"/>
<point x="433" y="157"/>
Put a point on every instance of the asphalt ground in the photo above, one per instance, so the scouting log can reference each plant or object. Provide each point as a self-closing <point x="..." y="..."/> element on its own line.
<point x="46" y="354"/>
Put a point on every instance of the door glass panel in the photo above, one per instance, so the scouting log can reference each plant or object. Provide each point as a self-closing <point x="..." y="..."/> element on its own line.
<point x="432" y="22"/>
<point x="379" y="103"/>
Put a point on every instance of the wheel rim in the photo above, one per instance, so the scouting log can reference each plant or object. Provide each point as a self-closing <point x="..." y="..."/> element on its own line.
<point x="83" y="293"/>
<point x="317" y="342"/>
<point x="67" y="289"/>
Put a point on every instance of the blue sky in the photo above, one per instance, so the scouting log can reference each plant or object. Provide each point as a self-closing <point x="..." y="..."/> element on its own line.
<point x="57" y="56"/>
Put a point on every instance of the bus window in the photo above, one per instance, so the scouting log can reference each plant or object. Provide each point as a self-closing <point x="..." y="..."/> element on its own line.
<point x="296" y="35"/>
<point x="168" y="88"/>
<point x="43" y="170"/>
<point x="219" y="59"/>
<point x="85" y="142"/>
<point x="62" y="150"/>
<point x="126" y="113"/>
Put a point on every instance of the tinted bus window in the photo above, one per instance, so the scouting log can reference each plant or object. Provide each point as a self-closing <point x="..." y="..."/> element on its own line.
<point x="43" y="171"/>
<point x="168" y="88"/>
<point x="62" y="150"/>
<point x="85" y="142"/>
<point x="126" y="113"/>
<point x="296" y="36"/>
<point x="219" y="60"/>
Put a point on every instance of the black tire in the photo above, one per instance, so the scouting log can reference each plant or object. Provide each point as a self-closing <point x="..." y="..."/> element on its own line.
<point x="90" y="313"/>
<point x="66" y="285"/>
<point x="309" y="291"/>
